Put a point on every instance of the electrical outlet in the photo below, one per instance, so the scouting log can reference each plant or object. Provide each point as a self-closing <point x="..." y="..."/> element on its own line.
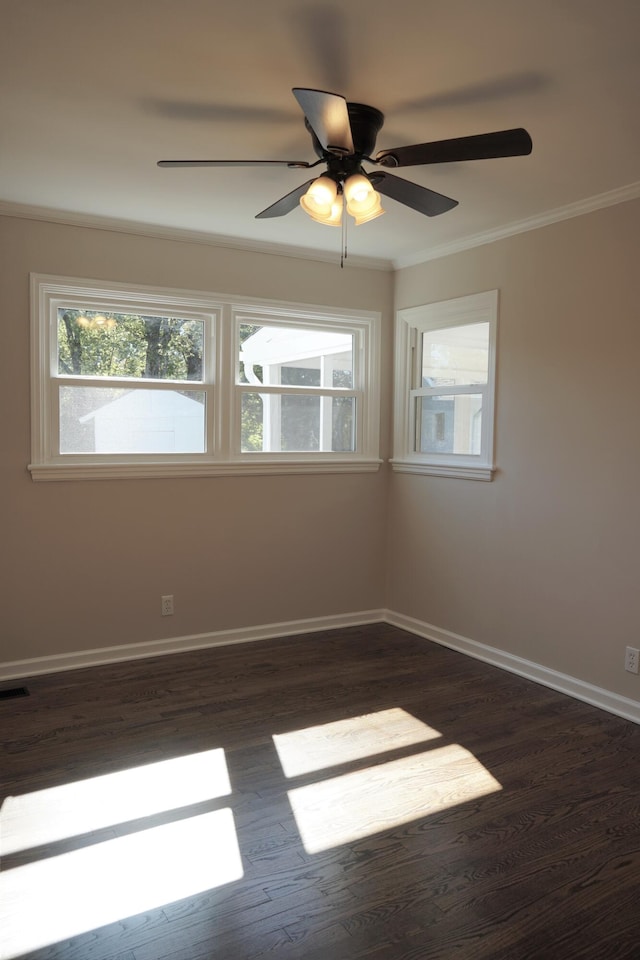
<point x="632" y="659"/>
<point x="167" y="607"/>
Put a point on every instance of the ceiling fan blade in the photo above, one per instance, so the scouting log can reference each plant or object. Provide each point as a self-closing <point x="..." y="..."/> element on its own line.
<point x="294" y="164"/>
<point x="285" y="204"/>
<point x="412" y="194"/>
<point x="328" y="117"/>
<point x="484" y="146"/>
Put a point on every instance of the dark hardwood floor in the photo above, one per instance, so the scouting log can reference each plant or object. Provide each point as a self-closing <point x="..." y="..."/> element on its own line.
<point x="356" y="793"/>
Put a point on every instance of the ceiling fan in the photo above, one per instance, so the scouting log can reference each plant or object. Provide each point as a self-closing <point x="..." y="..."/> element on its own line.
<point x="344" y="136"/>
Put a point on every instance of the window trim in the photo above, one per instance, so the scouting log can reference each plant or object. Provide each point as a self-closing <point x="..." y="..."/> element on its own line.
<point x="410" y="323"/>
<point x="220" y="312"/>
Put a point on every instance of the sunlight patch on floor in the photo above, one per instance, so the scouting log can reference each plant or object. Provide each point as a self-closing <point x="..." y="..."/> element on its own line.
<point x="342" y="809"/>
<point x="343" y="741"/>
<point x="51" y="900"/>
<point x="57" y="813"/>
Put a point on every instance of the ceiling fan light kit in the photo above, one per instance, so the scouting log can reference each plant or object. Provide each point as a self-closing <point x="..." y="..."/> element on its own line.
<point x="344" y="136"/>
<point x="325" y="198"/>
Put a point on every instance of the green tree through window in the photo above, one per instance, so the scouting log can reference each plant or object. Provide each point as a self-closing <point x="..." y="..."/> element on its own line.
<point x="129" y="345"/>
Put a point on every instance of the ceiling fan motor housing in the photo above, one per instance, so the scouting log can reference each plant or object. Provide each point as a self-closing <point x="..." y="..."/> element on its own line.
<point x="365" y="123"/>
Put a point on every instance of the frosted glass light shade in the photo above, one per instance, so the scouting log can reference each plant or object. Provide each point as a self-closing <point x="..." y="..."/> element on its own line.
<point x="322" y="203"/>
<point x="363" y="202"/>
<point x="331" y="216"/>
<point x="373" y="210"/>
<point x="357" y="189"/>
<point x="320" y="196"/>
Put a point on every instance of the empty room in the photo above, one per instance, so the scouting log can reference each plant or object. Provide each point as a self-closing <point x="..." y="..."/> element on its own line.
<point x="320" y="538"/>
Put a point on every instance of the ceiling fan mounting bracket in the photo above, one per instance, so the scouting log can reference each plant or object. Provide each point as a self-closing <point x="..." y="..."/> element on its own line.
<point x="341" y="168"/>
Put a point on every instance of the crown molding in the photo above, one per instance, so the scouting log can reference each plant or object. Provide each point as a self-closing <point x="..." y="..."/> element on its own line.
<point x="620" y="195"/>
<point x="569" y="211"/>
<point x="158" y="232"/>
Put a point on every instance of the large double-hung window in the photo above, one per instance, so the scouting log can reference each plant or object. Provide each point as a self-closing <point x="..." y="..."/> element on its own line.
<point x="139" y="381"/>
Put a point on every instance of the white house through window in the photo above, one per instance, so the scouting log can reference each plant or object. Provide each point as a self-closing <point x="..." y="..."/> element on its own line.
<point x="303" y="397"/>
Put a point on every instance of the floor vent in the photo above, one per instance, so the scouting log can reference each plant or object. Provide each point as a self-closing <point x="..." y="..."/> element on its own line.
<point x="10" y="692"/>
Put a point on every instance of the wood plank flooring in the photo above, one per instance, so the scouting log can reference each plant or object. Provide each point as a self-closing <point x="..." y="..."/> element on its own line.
<point x="359" y="793"/>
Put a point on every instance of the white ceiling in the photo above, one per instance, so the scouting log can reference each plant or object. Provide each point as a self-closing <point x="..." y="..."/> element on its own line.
<point x="94" y="92"/>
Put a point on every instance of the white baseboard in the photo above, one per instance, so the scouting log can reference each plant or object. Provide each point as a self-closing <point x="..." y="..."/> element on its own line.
<point x="595" y="696"/>
<point x="21" y="669"/>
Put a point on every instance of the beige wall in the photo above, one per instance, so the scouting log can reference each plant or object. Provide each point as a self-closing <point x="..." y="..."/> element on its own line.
<point x="544" y="562"/>
<point x="84" y="563"/>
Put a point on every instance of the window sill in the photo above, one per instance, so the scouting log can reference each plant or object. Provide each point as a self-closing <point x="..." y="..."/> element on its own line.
<point x="458" y="470"/>
<point x="155" y="470"/>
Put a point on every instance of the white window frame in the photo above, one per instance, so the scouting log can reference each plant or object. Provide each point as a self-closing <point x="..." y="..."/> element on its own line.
<point x="411" y="323"/>
<point x="220" y="314"/>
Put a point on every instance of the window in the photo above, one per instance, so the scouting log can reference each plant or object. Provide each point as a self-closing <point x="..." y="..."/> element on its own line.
<point x="445" y="383"/>
<point x="145" y="382"/>
<point x="296" y="387"/>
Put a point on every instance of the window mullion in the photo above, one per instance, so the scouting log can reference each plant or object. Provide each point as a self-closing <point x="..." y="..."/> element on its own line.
<point x="226" y="410"/>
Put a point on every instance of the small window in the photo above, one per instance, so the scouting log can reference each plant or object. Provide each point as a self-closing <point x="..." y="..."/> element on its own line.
<point x="138" y="381"/>
<point x="445" y="387"/>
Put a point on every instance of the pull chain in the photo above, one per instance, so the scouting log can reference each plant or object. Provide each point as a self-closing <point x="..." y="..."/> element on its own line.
<point x="343" y="251"/>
